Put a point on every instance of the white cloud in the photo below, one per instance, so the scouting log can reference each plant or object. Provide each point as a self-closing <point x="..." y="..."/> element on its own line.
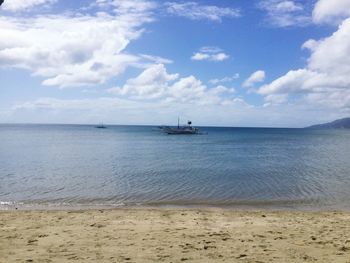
<point x="285" y="13"/>
<point x="220" y="89"/>
<point x="287" y="6"/>
<point x="24" y="5"/>
<point x="74" y="49"/>
<point x="119" y="110"/>
<point x="326" y="79"/>
<point x="256" y="77"/>
<point x="151" y="83"/>
<point x="211" y="57"/>
<point x="127" y="6"/>
<point x="195" y="11"/>
<point x="210" y="54"/>
<point x="154" y="83"/>
<point x="210" y="49"/>
<point x="224" y="79"/>
<point x="333" y="11"/>
<point x="113" y="110"/>
<point x="187" y="89"/>
<point x="200" y="56"/>
<point x="73" y="104"/>
<point x="274" y="99"/>
<point x="156" y="59"/>
<point x="310" y="44"/>
<point x="220" y="57"/>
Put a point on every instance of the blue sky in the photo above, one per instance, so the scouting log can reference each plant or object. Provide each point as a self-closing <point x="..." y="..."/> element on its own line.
<point x="229" y="63"/>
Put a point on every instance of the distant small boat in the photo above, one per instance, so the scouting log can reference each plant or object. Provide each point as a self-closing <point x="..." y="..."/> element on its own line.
<point x="100" y="126"/>
<point x="185" y="129"/>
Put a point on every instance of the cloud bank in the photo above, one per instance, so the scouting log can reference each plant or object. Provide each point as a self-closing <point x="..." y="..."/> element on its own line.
<point x="332" y="12"/>
<point x="285" y="13"/>
<point x="326" y="78"/>
<point x="24" y="5"/>
<point x="196" y="11"/>
<point x="210" y="54"/>
<point x="156" y="84"/>
<point x="256" y="77"/>
<point x="74" y="49"/>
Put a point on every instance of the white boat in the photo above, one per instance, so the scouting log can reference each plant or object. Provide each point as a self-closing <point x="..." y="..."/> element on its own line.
<point x="184" y="129"/>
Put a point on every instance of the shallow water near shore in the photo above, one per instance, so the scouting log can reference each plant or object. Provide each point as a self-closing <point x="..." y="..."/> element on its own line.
<point x="81" y="166"/>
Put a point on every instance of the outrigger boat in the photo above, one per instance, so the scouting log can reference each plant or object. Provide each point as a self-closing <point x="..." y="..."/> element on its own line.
<point x="101" y="126"/>
<point x="185" y="129"/>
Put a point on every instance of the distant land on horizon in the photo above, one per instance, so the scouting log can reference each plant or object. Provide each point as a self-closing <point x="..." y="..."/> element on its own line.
<point x="337" y="124"/>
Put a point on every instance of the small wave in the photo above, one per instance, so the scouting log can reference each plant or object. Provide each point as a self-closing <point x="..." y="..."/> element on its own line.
<point x="11" y="205"/>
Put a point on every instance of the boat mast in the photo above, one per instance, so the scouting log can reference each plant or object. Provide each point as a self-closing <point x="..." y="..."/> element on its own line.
<point x="178" y="122"/>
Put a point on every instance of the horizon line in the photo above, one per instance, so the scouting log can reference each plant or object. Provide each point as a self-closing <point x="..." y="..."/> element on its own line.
<point x="149" y="125"/>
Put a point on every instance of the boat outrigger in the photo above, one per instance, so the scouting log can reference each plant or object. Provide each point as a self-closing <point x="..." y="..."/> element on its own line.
<point x="185" y="129"/>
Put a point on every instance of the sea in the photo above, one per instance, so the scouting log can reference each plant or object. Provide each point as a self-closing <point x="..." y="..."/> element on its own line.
<point x="80" y="166"/>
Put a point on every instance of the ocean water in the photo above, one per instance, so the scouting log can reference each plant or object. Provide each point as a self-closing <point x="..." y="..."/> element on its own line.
<point x="81" y="166"/>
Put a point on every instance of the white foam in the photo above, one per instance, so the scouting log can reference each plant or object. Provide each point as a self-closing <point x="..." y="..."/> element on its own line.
<point x="6" y="203"/>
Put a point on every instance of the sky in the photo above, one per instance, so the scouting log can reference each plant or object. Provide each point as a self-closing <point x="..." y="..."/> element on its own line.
<point x="256" y="63"/>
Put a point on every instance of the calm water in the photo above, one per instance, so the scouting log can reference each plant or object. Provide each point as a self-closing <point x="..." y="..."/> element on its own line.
<point x="75" y="165"/>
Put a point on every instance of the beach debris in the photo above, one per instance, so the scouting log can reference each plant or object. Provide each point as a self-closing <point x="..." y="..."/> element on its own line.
<point x="31" y="241"/>
<point x="242" y="256"/>
<point x="97" y="225"/>
<point x="345" y="249"/>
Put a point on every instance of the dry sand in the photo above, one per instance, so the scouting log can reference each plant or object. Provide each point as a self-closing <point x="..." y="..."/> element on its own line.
<point x="174" y="235"/>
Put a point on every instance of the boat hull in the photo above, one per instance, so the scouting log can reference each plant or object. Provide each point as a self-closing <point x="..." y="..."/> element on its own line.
<point x="180" y="131"/>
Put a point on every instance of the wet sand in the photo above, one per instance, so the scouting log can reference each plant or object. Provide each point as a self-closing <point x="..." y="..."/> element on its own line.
<point x="174" y="235"/>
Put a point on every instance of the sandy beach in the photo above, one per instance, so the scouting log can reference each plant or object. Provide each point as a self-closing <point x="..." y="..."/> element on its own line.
<point x="174" y="235"/>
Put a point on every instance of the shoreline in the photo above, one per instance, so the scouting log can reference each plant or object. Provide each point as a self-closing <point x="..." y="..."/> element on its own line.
<point x="174" y="235"/>
<point x="234" y="205"/>
<point x="171" y="206"/>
